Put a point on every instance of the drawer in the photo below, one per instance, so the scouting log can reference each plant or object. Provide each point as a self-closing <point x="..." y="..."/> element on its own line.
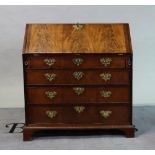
<point x="46" y="61"/>
<point x="38" y="77"/>
<point x="105" y="115"/>
<point x="71" y="95"/>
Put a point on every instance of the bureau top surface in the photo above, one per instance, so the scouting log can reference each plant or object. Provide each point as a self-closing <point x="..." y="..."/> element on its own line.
<point x="77" y="38"/>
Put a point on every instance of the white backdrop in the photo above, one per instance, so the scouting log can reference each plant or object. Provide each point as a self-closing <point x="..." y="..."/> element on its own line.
<point x="12" y="27"/>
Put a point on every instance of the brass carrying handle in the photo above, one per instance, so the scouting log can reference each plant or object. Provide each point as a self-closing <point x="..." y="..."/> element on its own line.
<point x="78" y="90"/>
<point x="106" y="76"/>
<point x="26" y="63"/>
<point x="105" y="94"/>
<point x="105" y="114"/>
<point x="129" y="62"/>
<point x="49" y="61"/>
<point x="77" y="61"/>
<point x="51" y="114"/>
<point x="51" y="94"/>
<point x="78" y="75"/>
<point x="105" y="61"/>
<point x="79" y="109"/>
<point x="50" y="76"/>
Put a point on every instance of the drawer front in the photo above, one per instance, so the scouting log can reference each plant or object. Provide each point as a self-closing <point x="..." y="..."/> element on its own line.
<point x="104" y="115"/>
<point x="75" y="61"/>
<point x="37" y="77"/>
<point x="70" y="95"/>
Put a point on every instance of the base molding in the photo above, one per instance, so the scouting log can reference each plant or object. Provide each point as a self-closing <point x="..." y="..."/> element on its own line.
<point x="29" y="131"/>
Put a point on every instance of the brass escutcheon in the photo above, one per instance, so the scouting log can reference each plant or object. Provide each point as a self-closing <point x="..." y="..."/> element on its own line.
<point x="78" y="75"/>
<point x="78" y="90"/>
<point x="77" y="26"/>
<point x="49" y="61"/>
<point x="51" y="94"/>
<point x="105" y="114"/>
<point x="105" y="76"/>
<point x="51" y="114"/>
<point x="50" y="76"/>
<point x="79" y="109"/>
<point x="105" y="94"/>
<point x="105" y="61"/>
<point x="77" y="61"/>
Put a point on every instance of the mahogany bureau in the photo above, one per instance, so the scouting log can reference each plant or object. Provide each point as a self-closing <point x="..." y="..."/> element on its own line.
<point x="77" y="77"/>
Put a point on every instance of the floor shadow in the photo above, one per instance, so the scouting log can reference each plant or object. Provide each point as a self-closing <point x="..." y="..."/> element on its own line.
<point x="143" y="119"/>
<point x="77" y="133"/>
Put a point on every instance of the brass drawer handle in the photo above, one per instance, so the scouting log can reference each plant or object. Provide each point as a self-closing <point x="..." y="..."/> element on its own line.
<point x="51" y="114"/>
<point x="79" y="109"/>
<point x="105" y="114"/>
<point x="105" y="61"/>
<point x="49" y="61"/>
<point x="77" y="61"/>
<point x="50" y="76"/>
<point x="105" y="76"/>
<point x="105" y="94"/>
<point x="78" y="90"/>
<point x="77" y="26"/>
<point x="51" y="94"/>
<point x="78" y="75"/>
